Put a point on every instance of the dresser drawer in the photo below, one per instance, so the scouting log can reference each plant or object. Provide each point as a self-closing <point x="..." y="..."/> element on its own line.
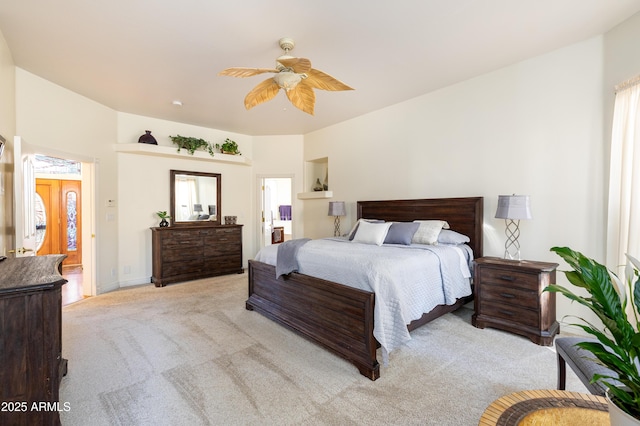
<point x="180" y="254"/>
<point x="217" y="249"/>
<point x="183" y="267"/>
<point x="506" y="295"/>
<point x="496" y="276"/>
<point x="228" y="234"/>
<point x="190" y="240"/>
<point x="224" y="263"/>
<point x="512" y="313"/>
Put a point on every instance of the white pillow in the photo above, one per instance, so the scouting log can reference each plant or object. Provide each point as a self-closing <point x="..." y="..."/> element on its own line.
<point x="352" y="233"/>
<point x="428" y="231"/>
<point x="371" y="233"/>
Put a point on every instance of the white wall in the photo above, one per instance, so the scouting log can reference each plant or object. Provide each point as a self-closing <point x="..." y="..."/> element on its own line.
<point x="532" y="128"/>
<point x="279" y="156"/>
<point x="56" y="119"/>
<point x="7" y="130"/>
<point x="143" y="189"/>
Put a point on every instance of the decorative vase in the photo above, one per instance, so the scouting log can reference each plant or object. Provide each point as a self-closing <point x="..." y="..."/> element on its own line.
<point x="619" y="417"/>
<point x="318" y="186"/>
<point x="147" y="138"/>
<point x="164" y="223"/>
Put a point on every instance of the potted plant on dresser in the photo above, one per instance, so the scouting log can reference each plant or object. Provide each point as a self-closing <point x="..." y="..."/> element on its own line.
<point x="618" y="340"/>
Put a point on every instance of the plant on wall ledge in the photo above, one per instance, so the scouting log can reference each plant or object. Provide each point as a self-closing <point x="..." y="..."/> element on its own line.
<point x="192" y="144"/>
<point x="229" y="147"/>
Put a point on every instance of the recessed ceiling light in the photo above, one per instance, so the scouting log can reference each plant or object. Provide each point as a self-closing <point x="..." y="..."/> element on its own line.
<point x="177" y="103"/>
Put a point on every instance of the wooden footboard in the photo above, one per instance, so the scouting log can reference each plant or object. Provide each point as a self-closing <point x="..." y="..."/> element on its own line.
<point x="337" y="317"/>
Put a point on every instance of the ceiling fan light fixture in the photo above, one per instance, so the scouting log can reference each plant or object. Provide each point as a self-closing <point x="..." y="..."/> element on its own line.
<point x="287" y="80"/>
<point x="294" y="75"/>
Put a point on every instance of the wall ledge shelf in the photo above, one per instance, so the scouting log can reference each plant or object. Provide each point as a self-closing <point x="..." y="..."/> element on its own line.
<point x="315" y="195"/>
<point x="169" y="151"/>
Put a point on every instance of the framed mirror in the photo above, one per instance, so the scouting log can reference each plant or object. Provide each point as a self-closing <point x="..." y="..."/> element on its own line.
<point x="195" y="198"/>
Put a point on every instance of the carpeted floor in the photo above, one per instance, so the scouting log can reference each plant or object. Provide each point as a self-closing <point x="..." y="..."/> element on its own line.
<point x="190" y="354"/>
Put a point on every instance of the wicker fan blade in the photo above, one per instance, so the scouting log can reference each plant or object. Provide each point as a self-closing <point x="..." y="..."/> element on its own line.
<point x="302" y="97"/>
<point x="263" y="92"/>
<point x="299" y="65"/>
<point x="324" y="81"/>
<point x="245" y="72"/>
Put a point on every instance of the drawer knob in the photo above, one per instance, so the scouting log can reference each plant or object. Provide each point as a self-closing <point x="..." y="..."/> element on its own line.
<point x="507" y="277"/>
<point x="508" y="295"/>
<point x="509" y="313"/>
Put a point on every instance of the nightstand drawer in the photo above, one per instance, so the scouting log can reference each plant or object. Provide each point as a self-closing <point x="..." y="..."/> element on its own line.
<point x="509" y="295"/>
<point x="512" y="313"/>
<point x="505" y="277"/>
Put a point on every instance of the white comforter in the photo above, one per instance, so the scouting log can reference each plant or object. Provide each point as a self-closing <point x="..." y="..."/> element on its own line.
<point x="407" y="280"/>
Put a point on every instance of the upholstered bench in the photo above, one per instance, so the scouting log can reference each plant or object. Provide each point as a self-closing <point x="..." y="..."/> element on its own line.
<point x="581" y="362"/>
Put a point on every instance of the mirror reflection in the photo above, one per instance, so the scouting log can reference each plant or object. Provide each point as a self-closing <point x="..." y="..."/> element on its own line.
<point x="195" y="197"/>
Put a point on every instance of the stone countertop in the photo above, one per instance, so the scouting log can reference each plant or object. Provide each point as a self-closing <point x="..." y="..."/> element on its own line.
<point x="31" y="273"/>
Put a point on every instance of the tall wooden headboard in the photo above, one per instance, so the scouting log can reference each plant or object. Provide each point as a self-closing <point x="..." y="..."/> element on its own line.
<point x="464" y="215"/>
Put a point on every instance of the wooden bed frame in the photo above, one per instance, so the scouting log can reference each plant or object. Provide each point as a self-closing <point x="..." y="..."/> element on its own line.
<point x="338" y="317"/>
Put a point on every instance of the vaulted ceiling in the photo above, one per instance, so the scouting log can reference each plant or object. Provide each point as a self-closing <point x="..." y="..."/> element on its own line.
<point x="138" y="56"/>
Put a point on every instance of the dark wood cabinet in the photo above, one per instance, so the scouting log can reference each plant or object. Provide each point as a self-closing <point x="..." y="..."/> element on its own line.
<point x="509" y="296"/>
<point x="183" y="253"/>
<point x="31" y="363"/>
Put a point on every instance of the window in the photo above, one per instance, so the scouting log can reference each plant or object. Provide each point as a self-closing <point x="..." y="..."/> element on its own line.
<point x="623" y="223"/>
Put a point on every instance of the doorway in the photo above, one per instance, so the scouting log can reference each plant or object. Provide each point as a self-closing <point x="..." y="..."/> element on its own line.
<point x="276" y="216"/>
<point x="63" y="205"/>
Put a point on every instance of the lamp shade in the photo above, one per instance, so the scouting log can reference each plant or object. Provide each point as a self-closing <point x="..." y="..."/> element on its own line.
<point x="337" y="208"/>
<point x="513" y="207"/>
<point x="197" y="207"/>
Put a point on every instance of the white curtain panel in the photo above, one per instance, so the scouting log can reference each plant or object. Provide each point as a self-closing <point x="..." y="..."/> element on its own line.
<point x="623" y="225"/>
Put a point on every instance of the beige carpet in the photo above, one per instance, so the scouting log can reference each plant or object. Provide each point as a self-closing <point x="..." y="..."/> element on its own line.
<point x="190" y="354"/>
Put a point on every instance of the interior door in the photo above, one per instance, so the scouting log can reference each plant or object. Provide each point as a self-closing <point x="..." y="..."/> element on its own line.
<point x="24" y="190"/>
<point x="48" y="222"/>
<point x="275" y="210"/>
<point x="59" y="219"/>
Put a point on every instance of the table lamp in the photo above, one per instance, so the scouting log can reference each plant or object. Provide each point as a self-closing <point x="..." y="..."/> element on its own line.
<point x="512" y="208"/>
<point x="337" y="209"/>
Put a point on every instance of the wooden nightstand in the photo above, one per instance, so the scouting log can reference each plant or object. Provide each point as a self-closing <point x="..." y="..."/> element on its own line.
<point x="509" y="296"/>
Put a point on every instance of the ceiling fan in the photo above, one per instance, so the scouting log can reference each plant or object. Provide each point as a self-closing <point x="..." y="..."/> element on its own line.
<point x="292" y="74"/>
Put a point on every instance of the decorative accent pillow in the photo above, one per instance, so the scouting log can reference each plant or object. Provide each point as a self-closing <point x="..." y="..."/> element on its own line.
<point x="428" y="231"/>
<point x="401" y="233"/>
<point x="447" y="236"/>
<point x="371" y="233"/>
<point x="352" y="233"/>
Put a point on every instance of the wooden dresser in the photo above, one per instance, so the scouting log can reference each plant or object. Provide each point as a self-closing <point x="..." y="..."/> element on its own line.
<point x="31" y="363"/>
<point x="509" y="296"/>
<point x="184" y="253"/>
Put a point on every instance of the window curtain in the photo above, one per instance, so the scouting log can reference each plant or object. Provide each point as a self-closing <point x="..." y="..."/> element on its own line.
<point x="623" y="225"/>
<point x="188" y="196"/>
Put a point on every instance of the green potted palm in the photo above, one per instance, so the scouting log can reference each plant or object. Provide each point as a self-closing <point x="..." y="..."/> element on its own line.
<point x="618" y="340"/>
